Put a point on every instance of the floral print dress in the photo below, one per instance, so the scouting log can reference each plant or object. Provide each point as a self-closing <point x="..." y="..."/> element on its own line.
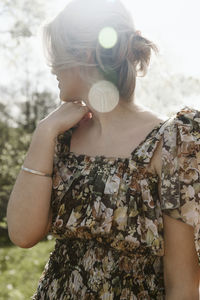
<point x="108" y="218"/>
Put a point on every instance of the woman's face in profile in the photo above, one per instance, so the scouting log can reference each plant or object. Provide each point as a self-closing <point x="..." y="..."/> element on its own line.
<point x="70" y="84"/>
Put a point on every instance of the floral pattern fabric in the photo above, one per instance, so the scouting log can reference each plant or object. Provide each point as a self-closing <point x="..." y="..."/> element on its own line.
<point x="108" y="218"/>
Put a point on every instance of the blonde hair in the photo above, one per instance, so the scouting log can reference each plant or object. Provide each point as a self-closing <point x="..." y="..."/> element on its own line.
<point x="72" y="39"/>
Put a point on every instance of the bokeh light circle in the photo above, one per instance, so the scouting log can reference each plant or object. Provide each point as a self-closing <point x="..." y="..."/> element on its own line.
<point x="108" y="37"/>
<point x="103" y="96"/>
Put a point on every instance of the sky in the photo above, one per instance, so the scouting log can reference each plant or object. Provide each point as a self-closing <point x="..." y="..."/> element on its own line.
<point x="173" y="25"/>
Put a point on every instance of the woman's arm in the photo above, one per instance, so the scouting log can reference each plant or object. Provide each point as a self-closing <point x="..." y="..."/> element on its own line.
<point x="28" y="211"/>
<point x="181" y="268"/>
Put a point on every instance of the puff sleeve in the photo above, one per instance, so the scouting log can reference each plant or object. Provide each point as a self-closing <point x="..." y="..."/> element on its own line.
<point x="180" y="173"/>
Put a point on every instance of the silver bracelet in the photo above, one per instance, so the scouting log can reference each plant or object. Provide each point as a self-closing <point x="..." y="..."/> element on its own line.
<point x="35" y="172"/>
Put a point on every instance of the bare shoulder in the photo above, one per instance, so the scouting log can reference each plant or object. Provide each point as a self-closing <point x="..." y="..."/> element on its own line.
<point x="152" y="119"/>
<point x="151" y="114"/>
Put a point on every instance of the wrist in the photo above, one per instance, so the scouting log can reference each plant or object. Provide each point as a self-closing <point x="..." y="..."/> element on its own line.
<point x="47" y="130"/>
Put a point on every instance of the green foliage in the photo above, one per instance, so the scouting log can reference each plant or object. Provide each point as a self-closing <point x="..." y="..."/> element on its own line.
<point x="14" y="144"/>
<point x="13" y="147"/>
<point x="20" y="269"/>
<point x="40" y="105"/>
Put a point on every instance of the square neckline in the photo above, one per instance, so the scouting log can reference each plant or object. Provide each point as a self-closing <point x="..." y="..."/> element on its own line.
<point x="103" y="157"/>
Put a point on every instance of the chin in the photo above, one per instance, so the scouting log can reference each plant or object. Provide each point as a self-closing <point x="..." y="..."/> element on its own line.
<point x="64" y="99"/>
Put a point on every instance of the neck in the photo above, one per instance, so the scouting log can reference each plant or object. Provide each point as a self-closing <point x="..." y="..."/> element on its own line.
<point x="104" y="123"/>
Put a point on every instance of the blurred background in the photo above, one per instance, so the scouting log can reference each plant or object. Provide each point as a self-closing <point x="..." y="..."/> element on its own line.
<point x="28" y="92"/>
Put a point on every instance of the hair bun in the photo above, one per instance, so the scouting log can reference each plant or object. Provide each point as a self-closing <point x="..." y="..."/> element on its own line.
<point x="139" y="50"/>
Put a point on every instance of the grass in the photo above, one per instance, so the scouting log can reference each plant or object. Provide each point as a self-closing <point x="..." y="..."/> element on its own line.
<point x="20" y="269"/>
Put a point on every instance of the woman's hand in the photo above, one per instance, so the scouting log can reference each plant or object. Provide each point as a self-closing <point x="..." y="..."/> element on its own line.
<point x="65" y="116"/>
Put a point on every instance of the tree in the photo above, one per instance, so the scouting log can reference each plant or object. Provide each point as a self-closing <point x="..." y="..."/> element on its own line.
<point x="161" y="86"/>
<point x="13" y="146"/>
<point x="37" y="107"/>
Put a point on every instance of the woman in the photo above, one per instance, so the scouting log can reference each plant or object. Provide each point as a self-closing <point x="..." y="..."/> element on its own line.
<point x="123" y="198"/>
